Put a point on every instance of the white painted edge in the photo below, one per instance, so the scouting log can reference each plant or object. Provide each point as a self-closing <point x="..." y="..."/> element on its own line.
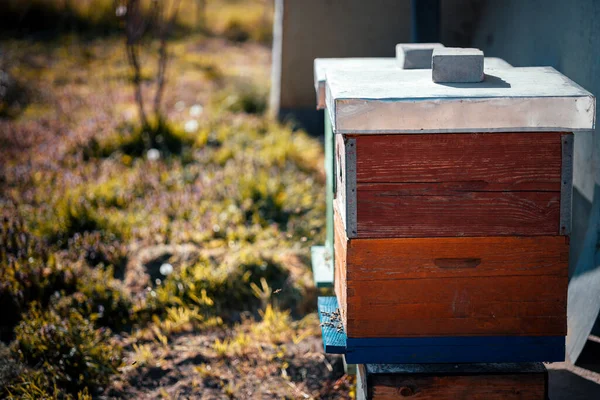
<point x="340" y="172"/>
<point x="526" y="114"/>
<point x="537" y="99"/>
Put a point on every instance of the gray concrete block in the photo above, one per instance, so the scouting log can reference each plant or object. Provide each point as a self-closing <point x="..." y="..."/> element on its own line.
<point x="415" y="55"/>
<point x="457" y="65"/>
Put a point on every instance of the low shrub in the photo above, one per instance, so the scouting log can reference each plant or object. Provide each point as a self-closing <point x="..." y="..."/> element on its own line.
<point x="27" y="273"/>
<point x="99" y="298"/>
<point x="252" y="22"/>
<point x="244" y="98"/>
<point x="10" y="369"/>
<point x="227" y="283"/>
<point x="69" y="350"/>
<point x="73" y="214"/>
<point x="14" y="95"/>
<point x="236" y="31"/>
<point x="98" y="250"/>
<point x="135" y="141"/>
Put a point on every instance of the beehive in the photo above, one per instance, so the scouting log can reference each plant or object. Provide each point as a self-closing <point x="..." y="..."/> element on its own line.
<point x="452" y="212"/>
<point x="408" y="56"/>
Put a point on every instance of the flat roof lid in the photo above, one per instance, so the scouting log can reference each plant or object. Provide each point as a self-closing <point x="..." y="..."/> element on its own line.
<point x="321" y="65"/>
<point x="408" y="101"/>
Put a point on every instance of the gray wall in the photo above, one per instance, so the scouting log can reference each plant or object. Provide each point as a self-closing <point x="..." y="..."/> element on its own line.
<point x="564" y="35"/>
<point x="309" y="29"/>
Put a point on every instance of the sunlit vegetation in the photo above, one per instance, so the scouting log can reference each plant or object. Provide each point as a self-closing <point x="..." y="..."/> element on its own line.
<point x="130" y="261"/>
<point x="236" y="20"/>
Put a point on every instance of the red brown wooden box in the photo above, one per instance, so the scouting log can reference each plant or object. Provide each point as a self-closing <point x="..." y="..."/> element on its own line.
<point x="452" y="205"/>
<point x="459" y="184"/>
<point x="528" y="381"/>
<point x="479" y="286"/>
<point x="452" y="234"/>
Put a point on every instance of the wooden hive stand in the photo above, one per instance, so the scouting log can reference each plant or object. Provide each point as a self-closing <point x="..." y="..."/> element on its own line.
<point x="527" y="381"/>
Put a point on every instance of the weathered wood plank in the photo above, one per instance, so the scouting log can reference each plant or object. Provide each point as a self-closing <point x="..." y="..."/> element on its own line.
<point x="485" y="385"/>
<point x="455" y="369"/>
<point x="459" y="292"/>
<point x="334" y="342"/>
<point x="429" y="310"/>
<point x="405" y="210"/>
<point x="513" y="305"/>
<point x="340" y="260"/>
<point x="456" y="257"/>
<point x="540" y="326"/>
<point x="490" y="162"/>
<point x="451" y="286"/>
<point x="452" y="185"/>
<point x="459" y="341"/>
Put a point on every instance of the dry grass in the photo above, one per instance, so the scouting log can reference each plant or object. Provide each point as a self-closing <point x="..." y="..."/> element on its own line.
<point x="169" y="257"/>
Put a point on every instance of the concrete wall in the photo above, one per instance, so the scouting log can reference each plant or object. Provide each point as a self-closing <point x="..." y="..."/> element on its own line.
<point x="308" y="29"/>
<point x="565" y="35"/>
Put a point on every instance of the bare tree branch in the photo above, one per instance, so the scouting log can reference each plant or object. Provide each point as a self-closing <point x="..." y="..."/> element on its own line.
<point x="134" y="30"/>
<point x="163" y="56"/>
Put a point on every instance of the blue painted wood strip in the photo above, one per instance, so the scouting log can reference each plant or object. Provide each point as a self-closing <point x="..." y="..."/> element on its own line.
<point x="454" y="354"/>
<point x="334" y="342"/>
<point x="322" y="266"/>
<point x="492" y="349"/>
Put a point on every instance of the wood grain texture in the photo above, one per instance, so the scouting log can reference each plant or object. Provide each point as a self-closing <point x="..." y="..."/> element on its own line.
<point x="455" y="369"/>
<point x="420" y="287"/>
<point x="496" y="162"/>
<point x="465" y="184"/>
<point x="334" y="342"/>
<point x="340" y="260"/>
<point x="473" y="386"/>
<point x="412" y="258"/>
<point x="403" y="210"/>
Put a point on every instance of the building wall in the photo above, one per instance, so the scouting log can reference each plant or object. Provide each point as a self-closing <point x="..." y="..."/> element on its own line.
<point x="566" y="36"/>
<point x="309" y="29"/>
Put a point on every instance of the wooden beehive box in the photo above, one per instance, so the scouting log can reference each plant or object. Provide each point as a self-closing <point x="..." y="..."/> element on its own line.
<point x="452" y="210"/>
<point x="527" y="381"/>
<point x="408" y="56"/>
